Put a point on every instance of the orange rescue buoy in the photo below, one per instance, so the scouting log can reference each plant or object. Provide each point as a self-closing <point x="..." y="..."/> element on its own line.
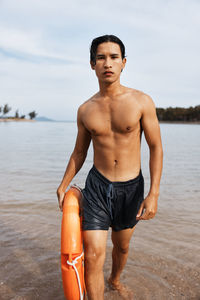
<point x="72" y="257"/>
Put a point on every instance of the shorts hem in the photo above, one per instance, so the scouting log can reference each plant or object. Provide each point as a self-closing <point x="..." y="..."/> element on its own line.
<point x="126" y="227"/>
<point x="94" y="228"/>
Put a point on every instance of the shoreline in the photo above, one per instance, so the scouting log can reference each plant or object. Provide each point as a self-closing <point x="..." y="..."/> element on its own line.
<point x="16" y="120"/>
<point x="180" y="122"/>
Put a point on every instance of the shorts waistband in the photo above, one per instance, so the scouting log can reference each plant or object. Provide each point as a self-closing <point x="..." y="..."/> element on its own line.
<point x="115" y="183"/>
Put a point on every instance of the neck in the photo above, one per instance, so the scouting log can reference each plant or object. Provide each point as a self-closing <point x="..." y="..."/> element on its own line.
<point x="109" y="89"/>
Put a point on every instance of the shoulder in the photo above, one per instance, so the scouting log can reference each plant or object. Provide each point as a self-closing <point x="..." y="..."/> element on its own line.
<point x="144" y="100"/>
<point x="142" y="97"/>
<point x="138" y="95"/>
<point x="85" y="106"/>
<point x="147" y="106"/>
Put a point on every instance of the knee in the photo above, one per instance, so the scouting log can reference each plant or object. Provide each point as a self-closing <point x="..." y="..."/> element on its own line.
<point x="94" y="258"/>
<point x="122" y="248"/>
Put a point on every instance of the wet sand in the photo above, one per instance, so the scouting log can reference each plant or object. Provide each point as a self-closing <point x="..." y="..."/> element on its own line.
<point x="30" y="259"/>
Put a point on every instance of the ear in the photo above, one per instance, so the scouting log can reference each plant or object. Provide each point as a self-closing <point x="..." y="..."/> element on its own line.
<point x="123" y="62"/>
<point x="92" y="64"/>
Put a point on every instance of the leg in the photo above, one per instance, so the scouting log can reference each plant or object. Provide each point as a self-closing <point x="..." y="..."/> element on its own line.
<point x="120" y="241"/>
<point x="94" y="251"/>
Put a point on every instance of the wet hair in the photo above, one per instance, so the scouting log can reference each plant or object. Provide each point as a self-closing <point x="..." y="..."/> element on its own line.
<point x="103" y="39"/>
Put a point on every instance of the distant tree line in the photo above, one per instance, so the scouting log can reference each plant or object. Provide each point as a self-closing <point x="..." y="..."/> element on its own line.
<point x="191" y="114"/>
<point x="5" y="109"/>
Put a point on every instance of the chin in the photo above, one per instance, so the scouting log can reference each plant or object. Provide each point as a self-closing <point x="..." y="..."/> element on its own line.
<point x="110" y="80"/>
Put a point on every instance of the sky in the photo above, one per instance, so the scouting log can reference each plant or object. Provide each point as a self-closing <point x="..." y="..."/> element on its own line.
<point x="44" y="51"/>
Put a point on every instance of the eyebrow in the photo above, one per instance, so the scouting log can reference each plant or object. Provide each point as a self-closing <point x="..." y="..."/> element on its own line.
<point x="102" y="55"/>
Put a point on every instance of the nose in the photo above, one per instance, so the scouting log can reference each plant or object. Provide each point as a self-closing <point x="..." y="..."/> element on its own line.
<point x="107" y="63"/>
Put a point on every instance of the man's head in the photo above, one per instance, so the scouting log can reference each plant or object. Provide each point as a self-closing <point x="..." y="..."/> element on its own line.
<point x="107" y="58"/>
<point x="103" y="39"/>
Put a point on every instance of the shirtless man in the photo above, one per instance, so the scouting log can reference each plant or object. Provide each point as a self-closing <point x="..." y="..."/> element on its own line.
<point x="113" y="119"/>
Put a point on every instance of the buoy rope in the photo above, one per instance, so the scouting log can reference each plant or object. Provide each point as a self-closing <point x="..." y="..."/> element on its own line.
<point x="73" y="264"/>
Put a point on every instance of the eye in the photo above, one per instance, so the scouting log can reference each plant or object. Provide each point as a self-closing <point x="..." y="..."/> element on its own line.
<point x="100" y="57"/>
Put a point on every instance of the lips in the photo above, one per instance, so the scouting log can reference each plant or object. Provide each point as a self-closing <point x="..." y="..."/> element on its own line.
<point x="108" y="73"/>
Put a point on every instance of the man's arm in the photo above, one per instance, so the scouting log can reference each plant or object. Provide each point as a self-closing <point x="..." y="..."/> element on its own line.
<point x="77" y="158"/>
<point x="151" y="129"/>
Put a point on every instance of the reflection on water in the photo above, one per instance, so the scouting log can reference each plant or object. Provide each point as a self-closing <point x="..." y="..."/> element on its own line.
<point x="164" y="252"/>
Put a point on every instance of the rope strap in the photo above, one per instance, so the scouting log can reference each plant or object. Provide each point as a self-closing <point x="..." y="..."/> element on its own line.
<point x="73" y="264"/>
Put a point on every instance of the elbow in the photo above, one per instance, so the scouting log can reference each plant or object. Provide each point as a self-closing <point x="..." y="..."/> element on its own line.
<point x="79" y="155"/>
<point x="157" y="148"/>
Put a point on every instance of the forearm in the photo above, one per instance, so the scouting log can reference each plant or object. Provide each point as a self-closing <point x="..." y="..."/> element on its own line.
<point x="74" y="165"/>
<point x="155" y="166"/>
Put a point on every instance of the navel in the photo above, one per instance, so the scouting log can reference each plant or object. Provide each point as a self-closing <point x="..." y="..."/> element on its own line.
<point x="128" y="128"/>
<point x="115" y="161"/>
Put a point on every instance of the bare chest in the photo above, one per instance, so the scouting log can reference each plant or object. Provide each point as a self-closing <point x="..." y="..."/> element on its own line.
<point x="105" y="120"/>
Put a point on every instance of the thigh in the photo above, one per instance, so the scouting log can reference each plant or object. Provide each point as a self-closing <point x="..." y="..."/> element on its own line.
<point x="122" y="238"/>
<point x="95" y="242"/>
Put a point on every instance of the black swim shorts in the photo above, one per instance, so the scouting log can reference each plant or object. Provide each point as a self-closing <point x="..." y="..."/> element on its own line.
<point x="111" y="204"/>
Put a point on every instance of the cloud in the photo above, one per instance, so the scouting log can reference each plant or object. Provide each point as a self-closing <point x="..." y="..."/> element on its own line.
<point x="29" y="46"/>
<point x="15" y="40"/>
<point x="44" y="50"/>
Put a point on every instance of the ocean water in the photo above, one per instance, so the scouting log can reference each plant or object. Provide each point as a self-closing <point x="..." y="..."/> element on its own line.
<point x="164" y="258"/>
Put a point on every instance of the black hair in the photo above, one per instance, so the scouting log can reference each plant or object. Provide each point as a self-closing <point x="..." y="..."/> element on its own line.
<point x="103" y="39"/>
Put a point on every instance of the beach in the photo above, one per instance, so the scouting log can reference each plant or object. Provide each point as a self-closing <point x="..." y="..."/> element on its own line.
<point x="164" y="255"/>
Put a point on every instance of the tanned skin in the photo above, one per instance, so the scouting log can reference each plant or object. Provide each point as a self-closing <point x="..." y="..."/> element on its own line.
<point x="113" y="119"/>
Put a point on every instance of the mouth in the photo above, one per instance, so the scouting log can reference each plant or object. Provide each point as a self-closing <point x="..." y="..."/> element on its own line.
<point x="108" y="73"/>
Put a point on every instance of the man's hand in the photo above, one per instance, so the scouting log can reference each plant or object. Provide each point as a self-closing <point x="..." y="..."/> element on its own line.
<point x="60" y="195"/>
<point x="149" y="205"/>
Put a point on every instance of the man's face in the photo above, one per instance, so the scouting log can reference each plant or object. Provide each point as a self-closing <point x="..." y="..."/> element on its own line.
<point x="109" y="62"/>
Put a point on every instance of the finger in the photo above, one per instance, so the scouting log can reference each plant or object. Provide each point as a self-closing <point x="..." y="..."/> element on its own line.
<point x="147" y="215"/>
<point x="144" y="216"/>
<point x="140" y="211"/>
<point x="151" y="215"/>
<point x="61" y="200"/>
<point x="60" y="206"/>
